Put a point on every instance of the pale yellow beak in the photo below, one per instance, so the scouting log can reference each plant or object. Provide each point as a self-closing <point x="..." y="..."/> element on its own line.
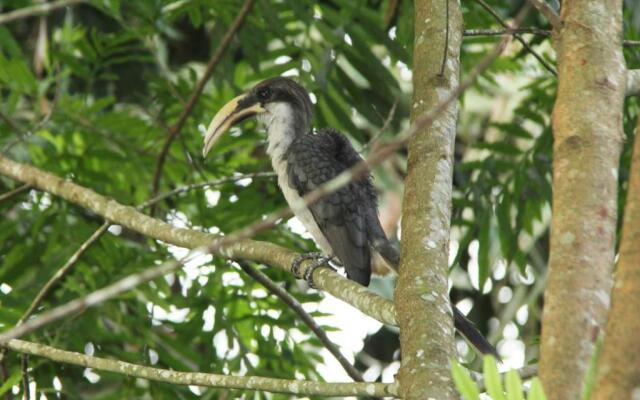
<point x="228" y="115"/>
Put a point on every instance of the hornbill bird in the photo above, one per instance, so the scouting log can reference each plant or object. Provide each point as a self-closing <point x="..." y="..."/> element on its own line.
<point x="344" y="224"/>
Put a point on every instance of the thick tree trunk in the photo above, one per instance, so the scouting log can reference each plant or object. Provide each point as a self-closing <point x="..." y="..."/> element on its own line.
<point x="422" y="302"/>
<point x="619" y="364"/>
<point x="587" y="128"/>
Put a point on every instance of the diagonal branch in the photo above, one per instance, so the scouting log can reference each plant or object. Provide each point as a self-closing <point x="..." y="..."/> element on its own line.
<point x="201" y="185"/>
<point x="294" y="387"/>
<point x="6" y="196"/>
<point x="215" y="60"/>
<point x="36" y="10"/>
<point x="295" y="305"/>
<point x="250" y="250"/>
<point x="549" y="13"/>
<point x="518" y="37"/>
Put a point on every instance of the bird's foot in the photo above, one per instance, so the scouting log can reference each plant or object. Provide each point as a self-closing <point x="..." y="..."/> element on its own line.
<point x="319" y="260"/>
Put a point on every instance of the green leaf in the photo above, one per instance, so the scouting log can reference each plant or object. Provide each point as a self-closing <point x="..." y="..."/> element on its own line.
<point x="514" y="385"/>
<point x="15" y="377"/>
<point x="465" y="385"/>
<point x="492" y="378"/>
<point x="536" y="392"/>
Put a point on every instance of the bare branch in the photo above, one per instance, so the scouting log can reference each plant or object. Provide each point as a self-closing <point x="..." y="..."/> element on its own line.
<point x="506" y="31"/>
<point x="533" y="31"/>
<point x="633" y="82"/>
<point x="215" y="60"/>
<point x="36" y="10"/>
<point x="294" y="387"/>
<point x="519" y="38"/>
<point x="215" y="182"/>
<point x="549" y="13"/>
<point x="295" y="305"/>
<point x="14" y="192"/>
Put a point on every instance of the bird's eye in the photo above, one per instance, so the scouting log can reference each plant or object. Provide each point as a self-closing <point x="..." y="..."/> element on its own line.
<point x="264" y="93"/>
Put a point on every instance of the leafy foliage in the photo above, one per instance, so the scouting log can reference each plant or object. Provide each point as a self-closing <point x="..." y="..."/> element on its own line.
<point x="512" y="389"/>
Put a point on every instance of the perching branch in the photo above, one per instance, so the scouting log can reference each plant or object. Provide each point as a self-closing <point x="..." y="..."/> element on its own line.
<point x="519" y="38"/>
<point x="262" y="252"/>
<point x="215" y="60"/>
<point x="294" y="387"/>
<point x="633" y="82"/>
<point x="295" y="305"/>
<point x="36" y="10"/>
<point x="549" y="13"/>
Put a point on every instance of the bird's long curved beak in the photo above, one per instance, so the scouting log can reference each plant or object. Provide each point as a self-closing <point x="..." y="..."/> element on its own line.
<point x="232" y="113"/>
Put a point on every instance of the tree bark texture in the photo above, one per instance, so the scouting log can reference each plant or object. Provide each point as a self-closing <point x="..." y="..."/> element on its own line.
<point x="587" y="129"/>
<point x="421" y="296"/>
<point x="619" y="363"/>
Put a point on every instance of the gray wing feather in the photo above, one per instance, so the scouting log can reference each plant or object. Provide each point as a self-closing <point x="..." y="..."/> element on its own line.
<point x="341" y="216"/>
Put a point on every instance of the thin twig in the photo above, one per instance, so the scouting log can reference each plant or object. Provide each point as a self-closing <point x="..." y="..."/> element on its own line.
<point x="36" y="10"/>
<point x="548" y="12"/>
<point x="295" y="305"/>
<point x="519" y="38"/>
<point x="200" y="185"/>
<point x="62" y="272"/>
<point x="533" y="31"/>
<point x="446" y="39"/>
<point x="14" y="192"/>
<point x="295" y="387"/>
<point x="215" y="60"/>
<point x="506" y="31"/>
<point x="384" y="127"/>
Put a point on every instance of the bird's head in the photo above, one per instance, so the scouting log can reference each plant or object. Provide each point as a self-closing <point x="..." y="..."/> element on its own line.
<point x="276" y="98"/>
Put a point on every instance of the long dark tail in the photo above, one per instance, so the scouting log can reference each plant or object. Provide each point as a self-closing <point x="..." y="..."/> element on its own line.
<point x="472" y="334"/>
<point x="466" y="328"/>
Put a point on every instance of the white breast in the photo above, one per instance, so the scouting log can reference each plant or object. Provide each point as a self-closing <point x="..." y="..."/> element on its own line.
<point x="276" y="123"/>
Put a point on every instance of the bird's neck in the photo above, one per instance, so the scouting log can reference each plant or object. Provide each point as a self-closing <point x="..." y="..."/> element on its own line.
<point x="283" y="124"/>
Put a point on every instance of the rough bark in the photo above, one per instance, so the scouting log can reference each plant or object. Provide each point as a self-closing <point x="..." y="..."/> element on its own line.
<point x="296" y="387"/>
<point x="619" y="363"/>
<point x="587" y="129"/>
<point x="375" y="306"/>
<point x="422" y="302"/>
